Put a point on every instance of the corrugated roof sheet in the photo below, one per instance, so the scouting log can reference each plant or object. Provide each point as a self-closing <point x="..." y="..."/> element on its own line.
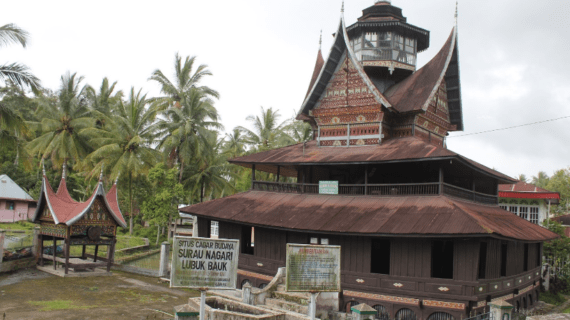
<point x="412" y="93"/>
<point x="521" y="186"/>
<point x="402" y="215"/>
<point x="11" y="190"/>
<point x="408" y="148"/>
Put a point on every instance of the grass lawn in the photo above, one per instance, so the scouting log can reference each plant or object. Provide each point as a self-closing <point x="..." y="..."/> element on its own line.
<point x="20" y="225"/>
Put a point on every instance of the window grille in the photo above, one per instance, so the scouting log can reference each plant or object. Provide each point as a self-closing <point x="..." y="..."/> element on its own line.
<point x="533" y="215"/>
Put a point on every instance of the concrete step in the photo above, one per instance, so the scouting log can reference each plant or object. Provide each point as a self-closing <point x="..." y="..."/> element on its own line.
<point x="295" y="297"/>
<point x="279" y="304"/>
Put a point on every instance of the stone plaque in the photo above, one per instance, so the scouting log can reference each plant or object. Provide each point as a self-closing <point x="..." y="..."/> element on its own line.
<point x="313" y="268"/>
<point x="204" y="263"/>
<point x="328" y="187"/>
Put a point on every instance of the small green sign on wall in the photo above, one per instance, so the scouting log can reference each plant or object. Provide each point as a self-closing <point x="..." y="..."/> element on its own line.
<point x="328" y="187"/>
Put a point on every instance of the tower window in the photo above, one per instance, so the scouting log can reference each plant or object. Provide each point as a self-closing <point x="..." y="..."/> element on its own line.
<point x="380" y="256"/>
<point x="525" y="262"/>
<point x="482" y="259"/>
<point x="442" y="259"/>
<point x="247" y="235"/>
<point x="503" y="260"/>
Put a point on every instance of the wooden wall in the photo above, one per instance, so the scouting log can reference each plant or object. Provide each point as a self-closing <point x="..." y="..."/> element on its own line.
<point x="409" y="257"/>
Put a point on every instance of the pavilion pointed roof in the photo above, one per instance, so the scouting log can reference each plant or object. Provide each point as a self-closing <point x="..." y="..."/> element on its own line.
<point x="65" y="210"/>
<point x="339" y="48"/>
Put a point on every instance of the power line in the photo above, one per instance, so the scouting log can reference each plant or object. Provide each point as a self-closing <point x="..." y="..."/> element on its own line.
<point x="507" y="128"/>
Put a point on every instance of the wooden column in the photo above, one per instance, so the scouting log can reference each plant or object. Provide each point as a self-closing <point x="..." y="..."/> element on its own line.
<point x="41" y="252"/>
<point x="67" y="256"/>
<point x="96" y="250"/>
<point x="252" y="174"/>
<point x="278" y="173"/>
<point x="441" y="179"/>
<point x="54" y="253"/>
<point x="83" y="252"/>
<point x="366" y="180"/>
<point x="110" y="255"/>
<point x="303" y="186"/>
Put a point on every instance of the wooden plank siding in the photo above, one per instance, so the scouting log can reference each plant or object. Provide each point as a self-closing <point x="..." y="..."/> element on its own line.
<point x="466" y="260"/>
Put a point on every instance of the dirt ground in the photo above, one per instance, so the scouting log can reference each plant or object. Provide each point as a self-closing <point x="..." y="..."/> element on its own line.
<point x="32" y="294"/>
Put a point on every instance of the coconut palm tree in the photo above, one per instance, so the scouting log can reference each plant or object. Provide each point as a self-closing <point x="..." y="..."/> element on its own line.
<point x="298" y="131"/>
<point x="12" y="126"/>
<point x="15" y="72"/>
<point x="187" y="130"/>
<point x="234" y="144"/>
<point x="540" y="180"/>
<point x="267" y="133"/>
<point x="124" y="146"/>
<point x="104" y="102"/>
<point x="211" y="173"/>
<point x="185" y="79"/>
<point x="63" y="124"/>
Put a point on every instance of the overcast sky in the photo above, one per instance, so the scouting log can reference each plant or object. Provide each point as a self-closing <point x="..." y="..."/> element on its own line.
<point x="513" y="58"/>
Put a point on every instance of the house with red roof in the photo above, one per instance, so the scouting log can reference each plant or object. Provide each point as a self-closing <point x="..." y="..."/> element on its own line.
<point x="527" y="201"/>
<point x="93" y="222"/>
<point x="15" y="203"/>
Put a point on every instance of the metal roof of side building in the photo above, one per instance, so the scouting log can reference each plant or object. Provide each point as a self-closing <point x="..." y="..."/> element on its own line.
<point x="523" y="190"/>
<point x="420" y="216"/>
<point x="10" y="190"/>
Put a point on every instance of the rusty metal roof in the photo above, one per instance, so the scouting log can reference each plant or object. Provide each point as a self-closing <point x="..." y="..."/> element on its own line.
<point x="397" y="149"/>
<point x="373" y="215"/>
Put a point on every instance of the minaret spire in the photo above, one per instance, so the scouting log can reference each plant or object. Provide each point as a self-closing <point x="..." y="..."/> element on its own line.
<point x="101" y="175"/>
<point x="342" y="8"/>
<point x="43" y="167"/>
<point x="321" y="39"/>
<point x="456" y="5"/>
<point x="64" y="170"/>
<point x="117" y="179"/>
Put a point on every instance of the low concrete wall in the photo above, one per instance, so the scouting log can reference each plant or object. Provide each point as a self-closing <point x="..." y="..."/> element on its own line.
<point x="130" y="269"/>
<point x="7" y="266"/>
<point x="132" y="249"/>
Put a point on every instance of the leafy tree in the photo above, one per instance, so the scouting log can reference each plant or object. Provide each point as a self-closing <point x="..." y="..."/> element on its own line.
<point x="63" y="124"/>
<point x="166" y="193"/>
<point x="185" y="80"/>
<point x="522" y="177"/>
<point x="560" y="182"/>
<point x="540" y="180"/>
<point x="267" y="132"/>
<point x="124" y="146"/>
<point x="557" y="252"/>
<point x="188" y="129"/>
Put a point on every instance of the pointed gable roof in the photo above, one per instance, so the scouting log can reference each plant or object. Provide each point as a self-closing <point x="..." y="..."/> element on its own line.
<point x="65" y="210"/>
<point x="416" y="91"/>
<point x="12" y="191"/>
<point x="339" y="47"/>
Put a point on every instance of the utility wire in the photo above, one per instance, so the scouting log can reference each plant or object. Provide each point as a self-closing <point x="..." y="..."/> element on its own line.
<point x="507" y="128"/>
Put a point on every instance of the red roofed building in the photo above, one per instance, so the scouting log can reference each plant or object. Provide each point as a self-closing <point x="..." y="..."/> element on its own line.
<point x="421" y="233"/>
<point x="527" y="201"/>
<point x="93" y="222"/>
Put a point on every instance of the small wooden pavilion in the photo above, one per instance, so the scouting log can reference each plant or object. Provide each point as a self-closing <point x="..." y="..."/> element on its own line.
<point x="90" y="223"/>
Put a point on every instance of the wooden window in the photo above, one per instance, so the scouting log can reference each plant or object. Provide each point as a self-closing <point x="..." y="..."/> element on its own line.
<point x="525" y="262"/>
<point x="214" y="229"/>
<point x="533" y="215"/>
<point x="10" y="205"/>
<point x="247" y="235"/>
<point x="442" y="259"/>
<point x="406" y="314"/>
<point x="504" y="260"/>
<point x="381" y="312"/>
<point x="523" y="212"/>
<point x="380" y="256"/>
<point x="482" y="259"/>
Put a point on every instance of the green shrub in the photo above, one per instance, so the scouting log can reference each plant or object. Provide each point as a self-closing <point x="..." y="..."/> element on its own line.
<point x="556" y="299"/>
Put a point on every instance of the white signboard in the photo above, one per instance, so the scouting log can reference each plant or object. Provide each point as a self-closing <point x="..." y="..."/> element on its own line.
<point x="312" y="268"/>
<point x="204" y="263"/>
